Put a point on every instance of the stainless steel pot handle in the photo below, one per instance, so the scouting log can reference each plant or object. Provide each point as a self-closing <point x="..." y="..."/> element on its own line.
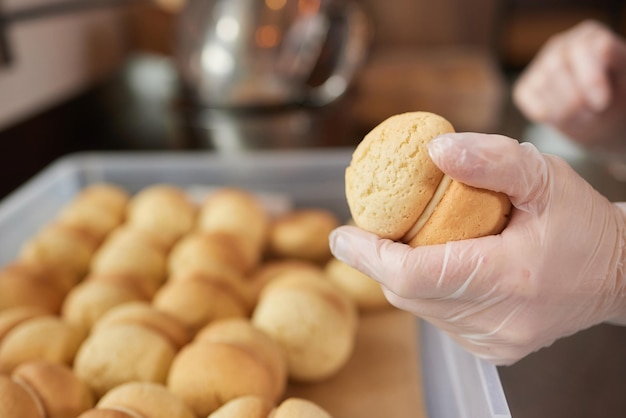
<point x="351" y="55"/>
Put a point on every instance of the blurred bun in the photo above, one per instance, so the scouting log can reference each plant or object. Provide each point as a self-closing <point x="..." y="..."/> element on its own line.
<point x="40" y="338"/>
<point x="61" y="247"/>
<point x="206" y="374"/>
<point x="225" y="211"/>
<point x="298" y="407"/>
<point x="17" y="401"/>
<point x="244" y="407"/>
<point x="123" y="353"/>
<point x="148" y="400"/>
<point x="60" y="391"/>
<point x="317" y="341"/>
<point x="302" y="234"/>
<point x="30" y="284"/>
<point x="164" y="210"/>
<point x="363" y="290"/>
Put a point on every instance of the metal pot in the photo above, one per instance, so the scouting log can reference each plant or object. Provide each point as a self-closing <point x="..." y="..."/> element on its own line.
<point x="260" y="53"/>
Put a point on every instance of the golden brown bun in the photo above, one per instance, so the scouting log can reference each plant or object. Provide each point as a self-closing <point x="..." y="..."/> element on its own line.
<point x="317" y="341"/>
<point x="363" y="290"/>
<point x="138" y="286"/>
<point x="464" y="212"/>
<point x="40" y="338"/>
<point x="28" y="284"/>
<point x="244" y="407"/>
<point x="91" y="299"/>
<point x="241" y="331"/>
<point x="58" y="277"/>
<point x="17" y="401"/>
<point x="149" y="317"/>
<point x="125" y="252"/>
<point x="207" y="374"/>
<point x="198" y="300"/>
<point x="10" y="318"/>
<point x="62" y="247"/>
<point x="110" y="196"/>
<point x="235" y="211"/>
<point x="109" y="413"/>
<point x="271" y="269"/>
<point x="60" y="391"/>
<point x="90" y="216"/>
<point x="162" y="209"/>
<point x="239" y="213"/>
<point x="302" y="234"/>
<point x="209" y="252"/>
<point x="122" y="353"/>
<point x="126" y="232"/>
<point x="150" y="400"/>
<point x="391" y="182"/>
<point x="299" y="408"/>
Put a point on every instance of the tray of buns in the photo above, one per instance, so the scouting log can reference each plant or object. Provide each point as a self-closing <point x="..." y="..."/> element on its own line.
<point x="155" y="284"/>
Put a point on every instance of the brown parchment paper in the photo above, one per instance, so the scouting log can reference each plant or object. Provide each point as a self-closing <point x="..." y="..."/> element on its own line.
<point x="383" y="376"/>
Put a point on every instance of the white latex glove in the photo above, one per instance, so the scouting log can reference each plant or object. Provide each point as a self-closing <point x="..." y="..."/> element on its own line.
<point x="555" y="269"/>
<point x="577" y="83"/>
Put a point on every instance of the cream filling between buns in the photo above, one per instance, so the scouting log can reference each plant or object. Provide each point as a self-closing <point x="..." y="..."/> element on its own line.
<point x="429" y="209"/>
<point x="33" y="394"/>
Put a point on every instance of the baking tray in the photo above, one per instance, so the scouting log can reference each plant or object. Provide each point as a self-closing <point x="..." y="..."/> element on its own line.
<point x="455" y="383"/>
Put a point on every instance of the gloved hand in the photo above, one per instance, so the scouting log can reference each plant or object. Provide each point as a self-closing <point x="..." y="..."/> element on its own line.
<point x="577" y="84"/>
<point x="557" y="268"/>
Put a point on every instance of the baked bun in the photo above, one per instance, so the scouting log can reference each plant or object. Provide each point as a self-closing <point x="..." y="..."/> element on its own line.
<point x="134" y="253"/>
<point x="31" y="284"/>
<point x="363" y="290"/>
<point x="17" y="401"/>
<point x="145" y="236"/>
<point x="298" y="407"/>
<point x="302" y="234"/>
<point x="241" y="331"/>
<point x="107" y="195"/>
<point x="239" y="213"/>
<point x="199" y="299"/>
<point x="98" y="209"/>
<point x="12" y="317"/>
<point x="256" y="407"/>
<point x="61" y="246"/>
<point x="164" y="210"/>
<point x="148" y="316"/>
<point x="396" y="191"/>
<point x="40" y="338"/>
<point x="59" y="390"/>
<point x="317" y="341"/>
<point x="209" y="252"/>
<point x="272" y="269"/>
<point x="123" y="353"/>
<point x="149" y="400"/>
<point x="244" y="407"/>
<point x="91" y="299"/>
<point x="109" y="413"/>
<point x="207" y="374"/>
<point x="143" y="289"/>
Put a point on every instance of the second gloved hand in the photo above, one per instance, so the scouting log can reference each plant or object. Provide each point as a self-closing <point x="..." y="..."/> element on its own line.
<point x="577" y="84"/>
<point x="557" y="267"/>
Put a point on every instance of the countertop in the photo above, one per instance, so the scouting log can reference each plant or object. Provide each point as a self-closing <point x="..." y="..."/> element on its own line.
<point x="579" y="376"/>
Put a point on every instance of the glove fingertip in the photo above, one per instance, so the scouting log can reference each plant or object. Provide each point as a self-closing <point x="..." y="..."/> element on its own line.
<point x="492" y="162"/>
<point x="343" y="241"/>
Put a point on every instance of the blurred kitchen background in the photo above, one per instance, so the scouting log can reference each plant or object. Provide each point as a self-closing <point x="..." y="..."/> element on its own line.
<point x="154" y="75"/>
<point x="245" y="75"/>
